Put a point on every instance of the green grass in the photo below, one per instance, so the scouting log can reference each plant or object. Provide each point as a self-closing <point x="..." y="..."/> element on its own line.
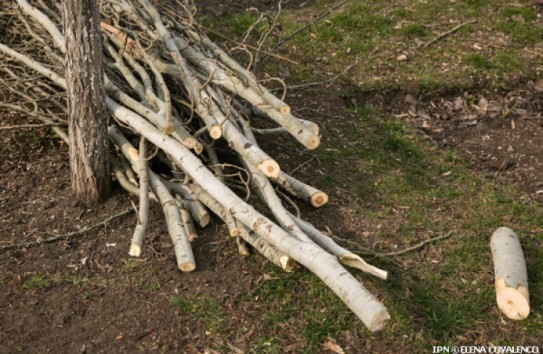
<point x="36" y="282"/>
<point x="130" y="264"/>
<point x="385" y="30"/>
<point x="391" y="166"/>
<point x="205" y="308"/>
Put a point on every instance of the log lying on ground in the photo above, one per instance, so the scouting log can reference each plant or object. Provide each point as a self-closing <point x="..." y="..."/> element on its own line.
<point x="511" y="278"/>
<point x="188" y="104"/>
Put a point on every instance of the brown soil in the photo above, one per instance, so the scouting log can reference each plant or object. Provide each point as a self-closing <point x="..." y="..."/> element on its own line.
<point x="498" y="134"/>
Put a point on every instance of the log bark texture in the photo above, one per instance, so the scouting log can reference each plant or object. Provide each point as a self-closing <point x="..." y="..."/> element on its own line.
<point x="88" y="117"/>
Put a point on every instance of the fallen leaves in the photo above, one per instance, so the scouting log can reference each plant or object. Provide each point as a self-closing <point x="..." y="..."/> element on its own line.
<point x="332" y="346"/>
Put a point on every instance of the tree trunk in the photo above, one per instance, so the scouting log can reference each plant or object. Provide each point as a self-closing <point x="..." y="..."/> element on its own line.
<point x="88" y="117"/>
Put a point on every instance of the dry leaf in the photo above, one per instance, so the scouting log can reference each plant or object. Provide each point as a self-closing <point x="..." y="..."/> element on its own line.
<point x="538" y="87"/>
<point x="333" y="346"/>
<point x="482" y="106"/>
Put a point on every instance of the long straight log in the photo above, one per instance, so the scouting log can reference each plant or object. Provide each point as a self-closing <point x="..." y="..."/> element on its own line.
<point x="143" y="212"/>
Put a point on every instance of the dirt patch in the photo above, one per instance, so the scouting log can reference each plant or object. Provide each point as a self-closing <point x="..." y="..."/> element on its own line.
<point x="498" y="134"/>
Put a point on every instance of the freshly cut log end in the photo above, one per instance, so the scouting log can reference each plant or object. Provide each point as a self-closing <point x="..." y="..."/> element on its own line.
<point x="187" y="267"/>
<point x="135" y="250"/>
<point x="313" y="142"/>
<point x="198" y="148"/>
<point x="511" y="277"/>
<point x="269" y="168"/>
<point x="352" y="260"/>
<point x="378" y="321"/>
<point x="190" y="143"/>
<point x="513" y="302"/>
<point x="204" y="220"/>
<point x="284" y="109"/>
<point x="215" y="132"/>
<point x="243" y="249"/>
<point x="287" y="263"/>
<point x="319" y="199"/>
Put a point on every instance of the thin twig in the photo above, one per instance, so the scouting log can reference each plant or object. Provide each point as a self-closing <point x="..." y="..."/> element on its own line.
<point x="27" y="126"/>
<point x="415" y="247"/>
<point x="444" y="34"/>
<point x="324" y="82"/>
<point x="303" y="28"/>
<point x="230" y="39"/>
<point x="68" y="235"/>
<point x="368" y="251"/>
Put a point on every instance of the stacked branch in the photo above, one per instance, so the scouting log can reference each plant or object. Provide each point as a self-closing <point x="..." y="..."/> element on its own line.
<point x="190" y="109"/>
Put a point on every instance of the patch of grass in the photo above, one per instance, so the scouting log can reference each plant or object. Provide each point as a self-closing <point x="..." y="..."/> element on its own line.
<point x="36" y="282"/>
<point x="80" y="280"/>
<point x="361" y="28"/>
<point x="203" y="307"/>
<point x="413" y="30"/>
<point x="448" y="291"/>
<point x="518" y="23"/>
<point x="478" y="61"/>
<point x="237" y="23"/>
<point x="129" y="264"/>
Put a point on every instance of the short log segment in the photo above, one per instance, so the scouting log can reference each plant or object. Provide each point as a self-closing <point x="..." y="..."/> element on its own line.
<point x="511" y="278"/>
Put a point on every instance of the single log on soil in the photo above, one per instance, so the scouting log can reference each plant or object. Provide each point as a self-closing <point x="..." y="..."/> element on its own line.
<point x="511" y="278"/>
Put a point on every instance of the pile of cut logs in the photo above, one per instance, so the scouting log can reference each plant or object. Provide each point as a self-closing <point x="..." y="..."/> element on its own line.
<point x="174" y="95"/>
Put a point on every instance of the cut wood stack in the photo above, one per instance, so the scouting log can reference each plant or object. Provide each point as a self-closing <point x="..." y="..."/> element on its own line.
<point x="184" y="101"/>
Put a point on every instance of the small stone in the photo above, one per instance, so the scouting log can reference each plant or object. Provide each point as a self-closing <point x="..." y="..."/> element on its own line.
<point x="401" y="57"/>
<point x="410" y="99"/>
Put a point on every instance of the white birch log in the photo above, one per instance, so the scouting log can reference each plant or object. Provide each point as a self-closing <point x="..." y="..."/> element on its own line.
<point x="143" y="212"/>
<point x="316" y="197"/>
<point x="511" y="278"/>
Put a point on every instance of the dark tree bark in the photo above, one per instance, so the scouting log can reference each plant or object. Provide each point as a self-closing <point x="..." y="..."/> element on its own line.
<point x="88" y="117"/>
